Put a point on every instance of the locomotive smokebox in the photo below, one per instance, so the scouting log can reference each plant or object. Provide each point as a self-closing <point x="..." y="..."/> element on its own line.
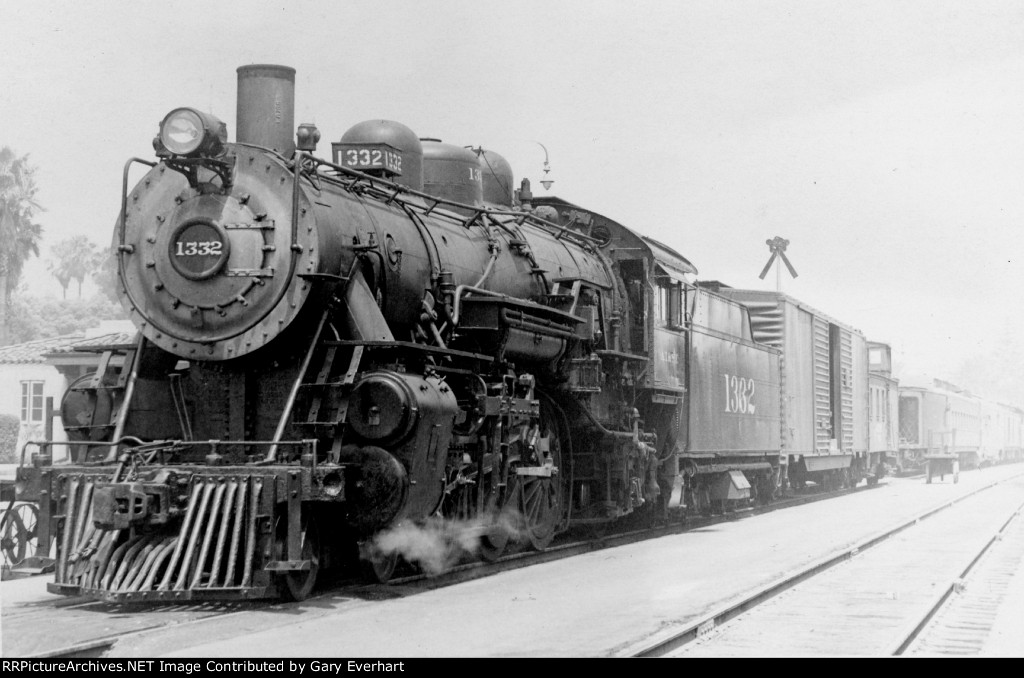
<point x="266" y="107"/>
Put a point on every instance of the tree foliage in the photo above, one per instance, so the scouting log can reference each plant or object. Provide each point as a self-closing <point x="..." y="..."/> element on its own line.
<point x="105" y="274"/>
<point x="997" y="372"/>
<point x="36" y="318"/>
<point x="62" y="276"/>
<point x="74" y="258"/>
<point x="19" y="233"/>
<point x="9" y="425"/>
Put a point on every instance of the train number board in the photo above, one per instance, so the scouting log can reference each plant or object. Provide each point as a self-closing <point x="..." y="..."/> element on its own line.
<point x="739" y="395"/>
<point x="368" y="157"/>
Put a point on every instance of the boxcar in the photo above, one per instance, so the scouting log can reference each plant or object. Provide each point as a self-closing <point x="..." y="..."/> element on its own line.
<point x="824" y="386"/>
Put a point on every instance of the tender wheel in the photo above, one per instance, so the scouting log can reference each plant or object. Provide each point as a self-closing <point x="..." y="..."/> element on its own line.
<point x="18" y="535"/>
<point x="300" y="583"/>
<point x="764" y="487"/>
<point x="701" y="500"/>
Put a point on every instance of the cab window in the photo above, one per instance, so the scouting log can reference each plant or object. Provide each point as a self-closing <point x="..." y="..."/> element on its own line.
<point x="670" y="303"/>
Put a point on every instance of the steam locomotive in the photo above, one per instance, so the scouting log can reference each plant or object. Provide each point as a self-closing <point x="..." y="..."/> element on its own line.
<point x="330" y="349"/>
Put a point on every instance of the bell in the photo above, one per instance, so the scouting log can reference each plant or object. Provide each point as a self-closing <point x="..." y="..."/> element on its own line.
<point x="306" y="137"/>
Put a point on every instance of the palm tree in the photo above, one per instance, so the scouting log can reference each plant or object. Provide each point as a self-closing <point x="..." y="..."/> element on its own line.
<point x="61" y="273"/>
<point x="74" y="258"/>
<point x="19" y="233"/>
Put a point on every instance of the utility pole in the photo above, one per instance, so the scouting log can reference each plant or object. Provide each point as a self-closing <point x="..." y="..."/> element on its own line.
<point x="777" y="246"/>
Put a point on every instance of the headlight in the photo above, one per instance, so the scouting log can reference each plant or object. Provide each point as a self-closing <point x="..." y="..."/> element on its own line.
<point x="182" y="131"/>
<point x="186" y="131"/>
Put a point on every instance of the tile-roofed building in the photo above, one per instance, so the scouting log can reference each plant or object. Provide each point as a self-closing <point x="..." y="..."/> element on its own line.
<point x="35" y="351"/>
<point x="95" y="343"/>
<point x="77" y="352"/>
<point x="33" y="372"/>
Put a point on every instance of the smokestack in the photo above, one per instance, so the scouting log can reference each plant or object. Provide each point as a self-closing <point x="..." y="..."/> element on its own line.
<point x="266" y="107"/>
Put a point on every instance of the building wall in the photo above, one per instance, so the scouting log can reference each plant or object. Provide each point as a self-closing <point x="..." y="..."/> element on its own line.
<point x="54" y="384"/>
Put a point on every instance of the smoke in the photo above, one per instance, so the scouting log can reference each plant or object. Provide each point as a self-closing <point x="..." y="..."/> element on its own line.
<point x="438" y="544"/>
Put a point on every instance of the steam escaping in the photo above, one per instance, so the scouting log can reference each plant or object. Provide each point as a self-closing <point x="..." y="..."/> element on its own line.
<point x="438" y="544"/>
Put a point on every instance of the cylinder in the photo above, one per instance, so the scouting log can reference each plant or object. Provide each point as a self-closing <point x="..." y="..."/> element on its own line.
<point x="266" y="107"/>
<point x="383" y="407"/>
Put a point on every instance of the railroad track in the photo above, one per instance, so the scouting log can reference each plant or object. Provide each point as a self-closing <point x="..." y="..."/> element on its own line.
<point x="139" y="626"/>
<point x="570" y="545"/>
<point x="963" y="616"/>
<point x="891" y="593"/>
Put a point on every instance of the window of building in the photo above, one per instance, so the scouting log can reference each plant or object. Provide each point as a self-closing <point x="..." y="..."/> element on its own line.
<point x="31" y="401"/>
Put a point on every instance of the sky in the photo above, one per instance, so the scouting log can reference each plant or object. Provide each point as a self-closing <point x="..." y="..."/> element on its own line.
<point x="884" y="140"/>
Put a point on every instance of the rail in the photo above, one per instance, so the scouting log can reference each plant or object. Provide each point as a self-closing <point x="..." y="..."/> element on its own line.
<point x="674" y="640"/>
<point x="908" y="637"/>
